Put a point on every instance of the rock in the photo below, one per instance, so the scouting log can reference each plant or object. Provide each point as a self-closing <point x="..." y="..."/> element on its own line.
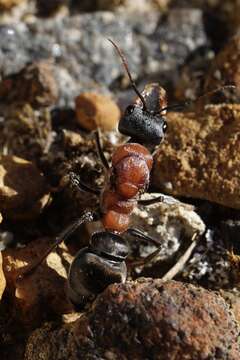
<point x="169" y="223"/>
<point x="233" y="299"/>
<point x="84" y="62"/>
<point x="26" y="132"/>
<point x="41" y="295"/>
<point x="35" y="85"/>
<point x="225" y="69"/>
<point x="144" y="319"/>
<point x="23" y="189"/>
<point x="2" y="278"/>
<point x="96" y="110"/>
<point x="8" y="4"/>
<point x="200" y="156"/>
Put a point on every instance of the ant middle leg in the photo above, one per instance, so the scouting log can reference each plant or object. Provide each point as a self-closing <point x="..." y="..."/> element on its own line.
<point x="166" y="199"/>
<point x="76" y="181"/>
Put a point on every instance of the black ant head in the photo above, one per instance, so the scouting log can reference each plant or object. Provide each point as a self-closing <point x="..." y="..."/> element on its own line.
<point x="142" y="125"/>
<point x="144" y="121"/>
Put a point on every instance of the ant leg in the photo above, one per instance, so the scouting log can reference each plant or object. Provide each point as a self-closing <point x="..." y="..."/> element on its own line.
<point x="166" y="199"/>
<point x="86" y="217"/>
<point x="141" y="235"/>
<point x="147" y="259"/>
<point x="75" y="180"/>
<point x="100" y="150"/>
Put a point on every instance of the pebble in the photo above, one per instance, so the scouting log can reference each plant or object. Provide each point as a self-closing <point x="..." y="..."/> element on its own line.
<point x="95" y="110"/>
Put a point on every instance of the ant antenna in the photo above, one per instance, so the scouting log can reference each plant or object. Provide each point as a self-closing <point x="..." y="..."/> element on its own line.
<point x="186" y="103"/>
<point x="173" y="107"/>
<point x="124" y="62"/>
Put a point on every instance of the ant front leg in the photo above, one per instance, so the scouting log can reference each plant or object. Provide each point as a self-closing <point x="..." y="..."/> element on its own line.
<point x="76" y="181"/>
<point x="88" y="216"/>
<point x="100" y="150"/>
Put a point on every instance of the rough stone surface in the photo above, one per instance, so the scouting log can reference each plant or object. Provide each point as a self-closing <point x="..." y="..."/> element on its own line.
<point x="145" y="319"/>
<point x="200" y="156"/>
<point x="225" y="69"/>
<point x="23" y="189"/>
<point x="41" y="295"/>
<point x="95" y="110"/>
<point x="35" y="85"/>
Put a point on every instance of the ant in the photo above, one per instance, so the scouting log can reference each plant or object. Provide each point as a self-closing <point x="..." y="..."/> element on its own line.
<point x="102" y="262"/>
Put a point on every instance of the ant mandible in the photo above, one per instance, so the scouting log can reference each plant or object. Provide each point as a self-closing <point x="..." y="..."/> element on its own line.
<point x="103" y="261"/>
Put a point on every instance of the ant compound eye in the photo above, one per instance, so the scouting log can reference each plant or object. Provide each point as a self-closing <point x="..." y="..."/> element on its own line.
<point x="130" y="109"/>
<point x="164" y="127"/>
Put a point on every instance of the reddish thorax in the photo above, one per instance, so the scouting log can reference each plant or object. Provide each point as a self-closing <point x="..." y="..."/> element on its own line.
<point x="127" y="179"/>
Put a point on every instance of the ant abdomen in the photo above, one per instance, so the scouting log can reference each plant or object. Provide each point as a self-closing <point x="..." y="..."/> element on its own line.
<point x="97" y="266"/>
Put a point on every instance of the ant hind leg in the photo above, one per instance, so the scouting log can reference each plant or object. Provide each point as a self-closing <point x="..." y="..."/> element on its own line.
<point x="86" y="217"/>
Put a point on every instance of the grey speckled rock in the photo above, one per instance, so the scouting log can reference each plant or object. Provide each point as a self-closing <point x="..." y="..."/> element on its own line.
<point x="84" y="59"/>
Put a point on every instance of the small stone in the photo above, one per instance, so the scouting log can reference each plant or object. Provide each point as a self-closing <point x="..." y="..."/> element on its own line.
<point x="42" y="294"/>
<point x="23" y="189"/>
<point x="225" y="69"/>
<point x="35" y="84"/>
<point x="200" y="155"/>
<point x="144" y="319"/>
<point x="95" y="110"/>
<point x="2" y="278"/>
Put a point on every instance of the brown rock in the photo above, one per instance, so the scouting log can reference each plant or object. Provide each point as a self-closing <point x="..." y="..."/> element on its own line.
<point x="95" y="110"/>
<point x="23" y="189"/>
<point x="200" y="156"/>
<point x="225" y="69"/>
<point x="41" y="295"/>
<point x="144" y="319"/>
<point x="233" y="299"/>
<point x="35" y="84"/>
<point x="26" y="132"/>
<point x="2" y="278"/>
<point x="8" y="4"/>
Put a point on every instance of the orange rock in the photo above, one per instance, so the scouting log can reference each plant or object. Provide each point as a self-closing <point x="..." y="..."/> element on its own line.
<point x="200" y="155"/>
<point x="96" y="110"/>
<point x="42" y="294"/>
